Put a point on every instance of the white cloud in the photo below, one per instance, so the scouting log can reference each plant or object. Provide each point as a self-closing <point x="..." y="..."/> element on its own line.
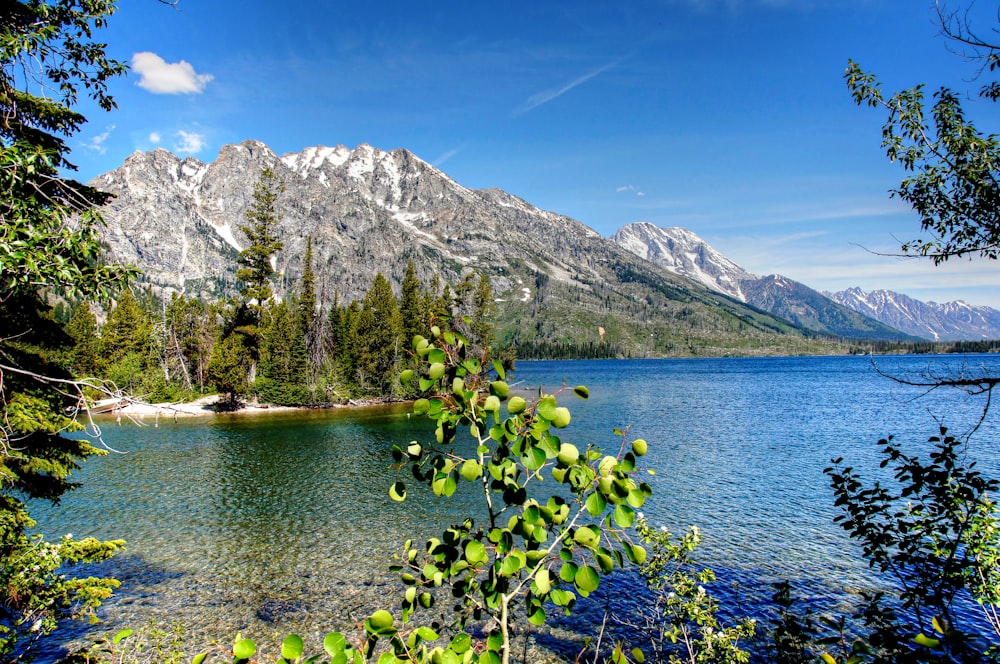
<point x="154" y="137"/>
<point x="97" y="142"/>
<point x="189" y="142"/>
<point x="447" y="155"/>
<point x="630" y="188"/>
<point x="167" y="78"/>
<point x="545" y="96"/>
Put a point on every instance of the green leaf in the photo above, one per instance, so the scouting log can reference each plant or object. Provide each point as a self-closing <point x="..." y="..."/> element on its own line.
<point x="636" y="553"/>
<point x="587" y="580"/>
<point x="498" y="367"/>
<point x="380" y="622"/>
<point x="537" y="617"/>
<point x="292" y="647"/>
<point x="639" y="447"/>
<point x="926" y="641"/>
<point x="398" y="492"/>
<point x="568" y="454"/>
<point x="542" y="581"/>
<point x="199" y="658"/>
<point x="596" y="504"/>
<point x="581" y="391"/>
<point x="122" y="635"/>
<point x="534" y="459"/>
<point x="516" y="405"/>
<point x="472" y="470"/>
<point x="561" y="418"/>
<point x="624" y="516"/>
<point x="460" y="643"/>
<point x="244" y="649"/>
<point x="475" y="552"/>
<point x="586" y="536"/>
<point x="427" y="634"/>
<point x="547" y="407"/>
<point x="437" y="356"/>
<point x="435" y="371"/>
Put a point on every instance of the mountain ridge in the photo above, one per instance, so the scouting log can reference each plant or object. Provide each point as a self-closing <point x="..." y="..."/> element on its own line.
<point x="681" y="251"/>
<point x="370" y="211"/>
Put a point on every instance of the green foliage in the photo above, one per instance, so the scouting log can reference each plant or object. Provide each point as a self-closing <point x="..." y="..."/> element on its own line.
<point x="534" y="552"/>
<point x="680" y="624"/>
<point x="148" y="644"/>
<point x="261" y="229"/>
<point x="955" y="181"/>
<point x="228" y="366"/>
<point x="82" y="327"/>
<point x="45" y="46"/>
<point x="282" y="346"/>
<point x="377" y="332"/>
<point x="935" y="537"/>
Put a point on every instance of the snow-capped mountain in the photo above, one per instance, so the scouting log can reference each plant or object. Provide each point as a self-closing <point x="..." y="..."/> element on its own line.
<point x="682" y="252"/>
<point x="369" y="211"/>
<point x="949" y="321"/>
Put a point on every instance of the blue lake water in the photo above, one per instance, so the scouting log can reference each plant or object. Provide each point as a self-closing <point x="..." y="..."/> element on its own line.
<point x="277" y="523"/>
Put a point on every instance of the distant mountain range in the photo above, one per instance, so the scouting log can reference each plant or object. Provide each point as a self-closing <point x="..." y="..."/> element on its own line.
<point x="682" y="252"/>
<point x="848" y="313"/>
<point x="369" y="211"/>
<point x="950" y="321"/>
<point x="646" y="291"/>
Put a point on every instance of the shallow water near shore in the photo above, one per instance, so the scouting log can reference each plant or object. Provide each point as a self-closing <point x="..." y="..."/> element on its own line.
<point x="281" y="522"/>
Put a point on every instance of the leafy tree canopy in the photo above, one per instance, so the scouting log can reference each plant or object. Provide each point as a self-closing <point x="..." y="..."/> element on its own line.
<point x="954" y="166"/>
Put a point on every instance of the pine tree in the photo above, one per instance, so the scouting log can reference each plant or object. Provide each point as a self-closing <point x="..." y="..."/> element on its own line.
<point x="126" y="344"/>
<point x="83" y="328"/>
<point x="307" y="318"/>
<point x="256" y="270"/>
<point x="283" y="362"/>
<point x="349" y="343"/>
<point x="378" y="331"/>
<point x="261" y="228"/>
<point x="412" y="306"/>
<point x="47" y="47"/>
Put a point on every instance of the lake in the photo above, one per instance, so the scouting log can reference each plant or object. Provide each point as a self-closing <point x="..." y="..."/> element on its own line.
<point x="281" y="522"/>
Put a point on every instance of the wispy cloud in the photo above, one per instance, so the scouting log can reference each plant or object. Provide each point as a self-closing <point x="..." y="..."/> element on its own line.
<point x="167" y="78"/>
<point x="97" y="142"/>
<point x="189" y="142"/>
<point x="154" y="137"/>
<point x="630" y="188"/>
<point x="447" y="155"/>
<point x="545" y="96"/>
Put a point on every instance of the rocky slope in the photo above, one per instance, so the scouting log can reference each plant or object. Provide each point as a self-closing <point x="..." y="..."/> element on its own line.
<point x="680" y="251"/>
<point x="950" y="321"/>
<point x="370" y="211"/>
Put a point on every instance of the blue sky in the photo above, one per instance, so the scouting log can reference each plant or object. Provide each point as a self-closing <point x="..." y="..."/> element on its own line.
<point x="727" y="117"/>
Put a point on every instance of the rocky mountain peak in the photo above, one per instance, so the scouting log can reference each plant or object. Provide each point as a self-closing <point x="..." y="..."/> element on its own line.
<point x="683" y="252"/>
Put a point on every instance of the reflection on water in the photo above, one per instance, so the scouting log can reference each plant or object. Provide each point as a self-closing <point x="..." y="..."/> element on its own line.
<point x="277" y="523"/>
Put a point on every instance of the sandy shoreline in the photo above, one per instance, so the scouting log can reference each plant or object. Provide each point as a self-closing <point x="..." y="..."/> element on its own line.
<point x="203" y="407"/>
